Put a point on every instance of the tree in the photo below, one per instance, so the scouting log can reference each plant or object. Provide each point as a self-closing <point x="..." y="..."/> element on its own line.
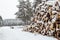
<point x="25" y="10"/>
<point x="36" y="2"/>
<point x="1" y="20"/>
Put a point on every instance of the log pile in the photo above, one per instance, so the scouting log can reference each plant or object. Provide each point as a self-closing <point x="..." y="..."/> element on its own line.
<point x="44" y="20"/>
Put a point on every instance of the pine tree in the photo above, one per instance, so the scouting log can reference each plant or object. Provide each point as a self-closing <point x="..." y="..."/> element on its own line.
<point x="1" y="20"/>
<point x="25" y="11"/>
<point x="36" y="2"/>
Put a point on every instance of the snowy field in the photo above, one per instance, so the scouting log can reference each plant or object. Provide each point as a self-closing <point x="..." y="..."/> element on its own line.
<point x="6" y="33"/>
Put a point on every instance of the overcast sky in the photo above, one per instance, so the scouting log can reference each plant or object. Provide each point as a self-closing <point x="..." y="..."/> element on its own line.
<point x="8" y="8"/>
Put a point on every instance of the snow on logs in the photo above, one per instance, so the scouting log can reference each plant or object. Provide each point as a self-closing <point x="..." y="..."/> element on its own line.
<point x="44" y="20"/>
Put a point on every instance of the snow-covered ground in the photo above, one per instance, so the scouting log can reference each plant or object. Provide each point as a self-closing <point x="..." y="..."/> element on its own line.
<point x="6" y="33"/>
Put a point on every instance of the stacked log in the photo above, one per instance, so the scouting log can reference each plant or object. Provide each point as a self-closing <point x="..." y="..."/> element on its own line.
<point x="44" y="20"/>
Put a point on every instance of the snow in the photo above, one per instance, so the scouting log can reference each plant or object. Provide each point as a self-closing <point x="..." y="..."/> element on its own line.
<point x="6" y="33"/>
<point x="50" y="2"/>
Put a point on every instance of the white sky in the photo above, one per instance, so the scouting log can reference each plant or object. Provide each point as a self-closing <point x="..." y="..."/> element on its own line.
<point x="8" y="8"/>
